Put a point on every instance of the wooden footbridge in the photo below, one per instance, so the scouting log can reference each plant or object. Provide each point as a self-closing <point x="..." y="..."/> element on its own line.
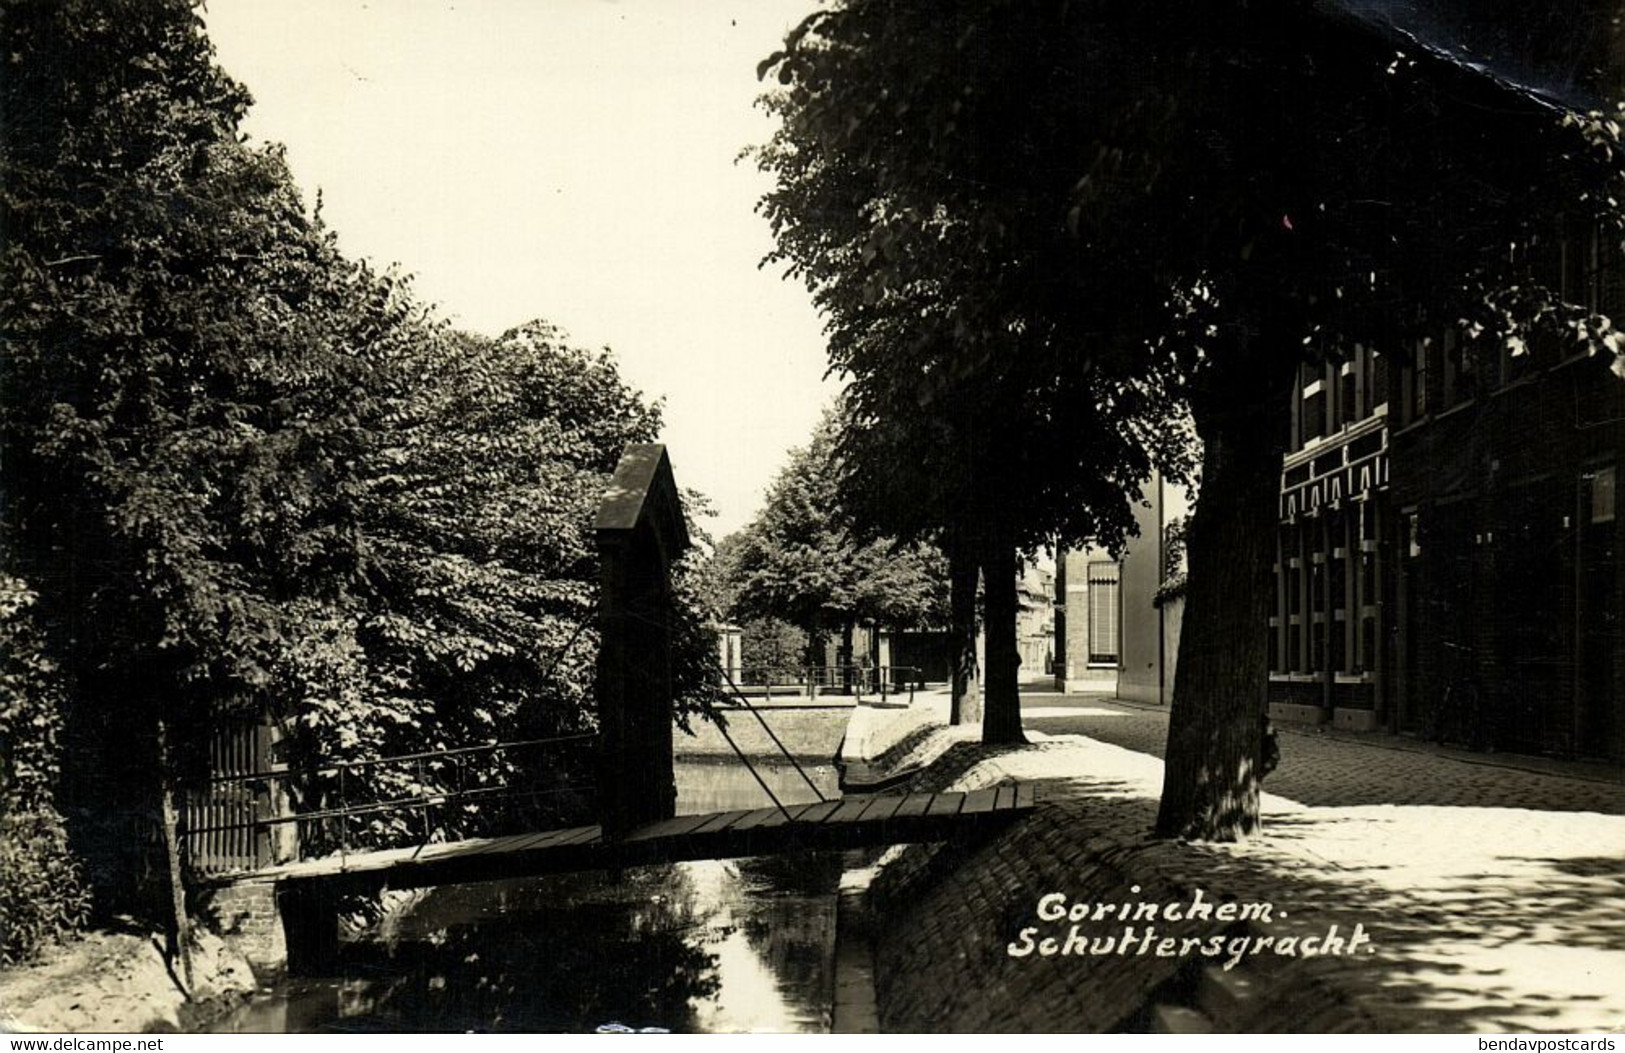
<point x="246" y="833"/>
<point x="850" y="822"/>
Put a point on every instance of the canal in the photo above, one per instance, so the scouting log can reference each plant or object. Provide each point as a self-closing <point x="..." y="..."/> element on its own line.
<point x="716" y="946"/>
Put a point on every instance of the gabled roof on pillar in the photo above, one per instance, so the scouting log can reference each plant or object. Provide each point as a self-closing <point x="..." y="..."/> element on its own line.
<point x="643" y="492"/>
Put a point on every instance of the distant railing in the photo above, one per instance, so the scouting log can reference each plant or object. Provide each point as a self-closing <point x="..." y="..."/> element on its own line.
<point x="249" y="819"/>
<point x="812" y="681"/>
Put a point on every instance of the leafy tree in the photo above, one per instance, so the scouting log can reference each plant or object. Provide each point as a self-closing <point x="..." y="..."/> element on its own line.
<point x="718" y="575"/>
<point x="1197" y="201"/>
<point x="480" y="519"/>
<point x="184" y="396"/>
<point x="475" y="513"/>
<point x="767" y="644"/>
<point x="243" y="473"/>
<point x="1375" y="206"/>
<point x="772" y="645"/>
<point x="981" y="412"/>
<point x="801" y="561"/>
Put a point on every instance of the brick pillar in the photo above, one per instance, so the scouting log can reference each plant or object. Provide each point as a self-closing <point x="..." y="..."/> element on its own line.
<point x="640" y="534"/>
<point x="246" y="916"/>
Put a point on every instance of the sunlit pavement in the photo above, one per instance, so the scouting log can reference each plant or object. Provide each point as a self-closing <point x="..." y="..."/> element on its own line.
<point x="1494" y="896"/>
<point x="1323" y="768"/>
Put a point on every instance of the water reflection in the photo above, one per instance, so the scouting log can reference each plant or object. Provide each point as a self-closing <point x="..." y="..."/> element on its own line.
<point x="731" y="945"/>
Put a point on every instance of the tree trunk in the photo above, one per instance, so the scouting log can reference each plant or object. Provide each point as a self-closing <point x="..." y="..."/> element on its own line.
<point x="1001" y="709"/>
<point x="963" y="570"/>
<point x="1211" y="774"/>
<point x="847" y="660"/>
<point x="1058" y="654"/>
<point x="182" y="930"/>
<point x="816" y="655"/>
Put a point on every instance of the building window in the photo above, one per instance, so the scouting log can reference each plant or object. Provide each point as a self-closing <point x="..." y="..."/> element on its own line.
<point x="1610" y="277"/>
<point x="1314" y="415"/>
<point x="1458" y="371"/>
<point x="1103" y="614"/>
<point x="1600" y="502"/>
<point x="1416" y="377"/>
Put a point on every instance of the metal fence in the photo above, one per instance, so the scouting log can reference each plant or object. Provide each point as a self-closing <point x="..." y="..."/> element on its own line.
<point x="253" y="814"/>
<point x="812" y="681"/>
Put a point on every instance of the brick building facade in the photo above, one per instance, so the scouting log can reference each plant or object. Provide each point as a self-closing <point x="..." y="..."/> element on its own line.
<point x="1088" y="620"/>
<point x="1450" y="533"/>
<point x="1112" y="633"/>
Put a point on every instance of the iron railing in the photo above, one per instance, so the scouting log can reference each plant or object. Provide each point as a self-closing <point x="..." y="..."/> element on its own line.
<point x="297" y="813"/>
<point x="811" y="681"/>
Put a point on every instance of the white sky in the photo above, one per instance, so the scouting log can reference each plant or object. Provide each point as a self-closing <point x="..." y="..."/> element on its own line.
<point x="564" y="159"/>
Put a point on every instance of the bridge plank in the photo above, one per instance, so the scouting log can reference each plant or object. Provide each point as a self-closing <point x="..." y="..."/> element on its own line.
<point x="778" y="818"/>
<point x="914" y="804"/>
<point x="546" y="839"/>
<point x="818" y="813"/>
<point x="872" y="820"/>
<point x="849" y="811"/>
<point x="721" y="821"/>
<point x="754" y="819"/>
<point x="506" y="843"/>
<point x="882" y="807"/>
<point x="979" y="801"/>
<point x="444" y="849"/>
<point x="682" y="824"/>
<point x="578" y="835"/>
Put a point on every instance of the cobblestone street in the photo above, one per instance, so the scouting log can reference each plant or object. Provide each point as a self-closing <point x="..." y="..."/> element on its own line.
<point x="1344" y="769"/>
<point x="1489" y="888"/>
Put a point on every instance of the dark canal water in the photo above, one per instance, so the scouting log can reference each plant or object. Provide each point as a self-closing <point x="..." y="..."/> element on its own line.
<point x="733" y="945"/>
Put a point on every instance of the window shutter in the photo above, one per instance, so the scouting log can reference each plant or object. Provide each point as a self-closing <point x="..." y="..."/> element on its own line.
<point x="1103" y="634"/>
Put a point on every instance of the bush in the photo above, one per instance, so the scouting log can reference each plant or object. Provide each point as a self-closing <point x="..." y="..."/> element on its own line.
<point x="772" y="644"/>
<point x="43" y="895"/>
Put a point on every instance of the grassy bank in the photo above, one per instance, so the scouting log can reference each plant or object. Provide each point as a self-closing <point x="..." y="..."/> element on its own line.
<point x="808" y="734"/>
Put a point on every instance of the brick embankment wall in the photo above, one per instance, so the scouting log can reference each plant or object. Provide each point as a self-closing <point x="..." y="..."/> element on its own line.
<point x="948" y="917"/>
<point x="246" y="916"/>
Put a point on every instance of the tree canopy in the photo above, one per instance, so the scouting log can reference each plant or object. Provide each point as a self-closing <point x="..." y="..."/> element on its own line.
<point x="801" y="559"/>
<point x="246" y="475"/>
<point x="1147" y="204"/>
<point x="189" y="363"/>
<point x="978" y="393"/>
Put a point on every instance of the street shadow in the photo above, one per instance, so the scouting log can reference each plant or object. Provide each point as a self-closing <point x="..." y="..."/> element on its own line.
<point x="1461" y="938"/>
<point x="1461" y="930"/>
<point x="1322" y="770"/>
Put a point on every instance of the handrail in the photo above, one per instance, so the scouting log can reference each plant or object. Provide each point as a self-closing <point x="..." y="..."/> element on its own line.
<point x="815" y="679"/>
<point x="283" y="773"/>
<point x="821" y="674"/>
<point x="396" y="804"/>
